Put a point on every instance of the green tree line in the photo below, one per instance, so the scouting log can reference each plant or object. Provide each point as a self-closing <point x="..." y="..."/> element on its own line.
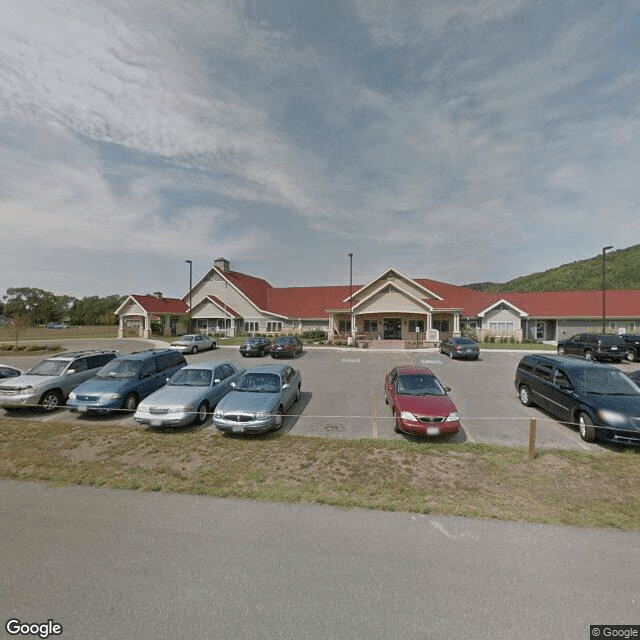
<point x="622" y="272"/>
<point x="42" y="307"/>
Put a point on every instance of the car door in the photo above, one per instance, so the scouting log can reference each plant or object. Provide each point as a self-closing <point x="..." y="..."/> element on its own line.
<point x="221" y="388"/>
<point x="149" y="377"/>
<point x="574" y="345"/>
<point x="80" y="374"/>
<point x="561" y="400"/>
<point x="288" y="378"/>
<point x="389" y="386"/>
<point x="541" y="385"/>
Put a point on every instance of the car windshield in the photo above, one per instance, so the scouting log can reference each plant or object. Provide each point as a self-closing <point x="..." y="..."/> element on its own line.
<point x="49" y="368"/>
<point x="419" y="385"/>
<point x="191" y="378"/>
<point x="252" y="341"/>
<point x="606" y="382"/>
<point x="119" y="368"/>
<point x="259" y="382"/>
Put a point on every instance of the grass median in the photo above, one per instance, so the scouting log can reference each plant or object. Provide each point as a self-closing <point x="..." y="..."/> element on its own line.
<point x="476" y="480"/>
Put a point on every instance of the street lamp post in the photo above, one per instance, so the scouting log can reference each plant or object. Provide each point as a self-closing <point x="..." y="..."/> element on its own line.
<point x="190" y="291"/>
<point x="351" y="293"/>
<point x="604" y="287"/>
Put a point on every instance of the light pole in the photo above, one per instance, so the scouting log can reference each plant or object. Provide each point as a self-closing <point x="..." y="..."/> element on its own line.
<point x="604" y="306"/>
<point x="351" y="292"/>
<point x="190" y="291"/>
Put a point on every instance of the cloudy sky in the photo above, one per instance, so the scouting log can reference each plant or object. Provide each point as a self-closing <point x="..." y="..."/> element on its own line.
<point x="467" y="141"/>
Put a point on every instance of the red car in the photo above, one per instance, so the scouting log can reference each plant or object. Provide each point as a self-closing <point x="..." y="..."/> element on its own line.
<point x="419" y="402"/>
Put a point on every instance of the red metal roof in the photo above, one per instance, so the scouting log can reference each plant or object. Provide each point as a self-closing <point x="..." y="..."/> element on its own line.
<point x="312" y="302"/>
<point x="151" y="304"/>
<point x="230" y="310"/>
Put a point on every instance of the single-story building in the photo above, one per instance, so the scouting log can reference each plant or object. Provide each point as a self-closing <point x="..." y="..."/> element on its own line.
<point x="391" y="306"/>
<point x="140" y="311"/>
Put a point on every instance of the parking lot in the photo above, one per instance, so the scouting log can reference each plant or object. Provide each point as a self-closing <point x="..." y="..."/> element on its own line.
<point x="342" y="396"/>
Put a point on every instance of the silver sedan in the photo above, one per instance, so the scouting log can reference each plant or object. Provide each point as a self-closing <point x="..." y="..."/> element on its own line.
<point x="192" y="343"/>
<point x="189" y="395"/>
<point x="259" y="400"/>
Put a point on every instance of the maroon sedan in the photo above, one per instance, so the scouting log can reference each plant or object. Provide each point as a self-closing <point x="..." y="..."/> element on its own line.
<point x="419" y="402"/>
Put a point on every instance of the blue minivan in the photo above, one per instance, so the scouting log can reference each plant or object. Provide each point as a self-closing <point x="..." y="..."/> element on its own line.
<point x="126" y="380"/>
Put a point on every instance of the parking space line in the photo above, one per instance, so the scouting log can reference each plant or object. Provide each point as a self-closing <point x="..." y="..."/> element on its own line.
<point x="470" y="438"/>
<point x="567" y="434"/>
<point x="374" y="415"/>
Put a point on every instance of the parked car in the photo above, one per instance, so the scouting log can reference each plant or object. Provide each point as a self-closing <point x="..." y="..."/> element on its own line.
<point x="49" y="383"/>
<point x="286" y="346"/>
<point x="599" y="398"/>
<point x="57" y="325"/>
<point x="255" y="346"/>
<point x="9" y="372"/>
<point x="192" y="343"/>
<point x="259" y="400"/>
<point x="458" y="347"/>
<point x="125" y="381"/>
<point x="594" y="346"/>
<point x="632" y="343"/>
<point x="419" y="402"/>
<point x="189" y="395"/>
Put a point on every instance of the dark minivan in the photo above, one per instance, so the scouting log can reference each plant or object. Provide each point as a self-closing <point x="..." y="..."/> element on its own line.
<point x="594" y="346"/>
<point x="600" y="399"/>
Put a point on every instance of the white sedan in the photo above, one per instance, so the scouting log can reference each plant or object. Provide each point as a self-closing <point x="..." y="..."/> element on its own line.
<point x="193" y="343"/>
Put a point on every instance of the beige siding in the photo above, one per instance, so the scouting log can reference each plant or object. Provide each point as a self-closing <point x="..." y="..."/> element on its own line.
<point x="228" y="294"/>
<point x="391" y="302"/>
<point x="409" y="287"/>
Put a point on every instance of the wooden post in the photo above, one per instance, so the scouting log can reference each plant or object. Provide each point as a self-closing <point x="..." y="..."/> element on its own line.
<point x="532" y="438"/>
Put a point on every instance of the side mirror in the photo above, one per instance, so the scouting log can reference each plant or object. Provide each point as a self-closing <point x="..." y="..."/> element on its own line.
<point x="233" y="385"/>
<point x="286" y="385"/>
<point x="70" y="371"/>
<point x="447" y="389"/>
<point x="216" y="381"/>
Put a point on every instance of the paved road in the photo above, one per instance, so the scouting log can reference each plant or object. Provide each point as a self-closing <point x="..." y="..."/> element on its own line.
<point x="119" y="564"/>
<point x="343" y="395"/>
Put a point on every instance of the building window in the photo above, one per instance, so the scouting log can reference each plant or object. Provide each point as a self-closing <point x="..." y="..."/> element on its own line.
<point x="441" y="325"/>
<point x="273" y="327"/>
<point x="501" y="328"/>
<point x="252" y="326"/>
<point x="344" y="325"/>
<point x="371" y="326"/>
<point x="416" y="326"/>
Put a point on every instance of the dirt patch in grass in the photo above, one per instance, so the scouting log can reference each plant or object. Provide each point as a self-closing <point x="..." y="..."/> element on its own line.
<point x="559" y="487"/>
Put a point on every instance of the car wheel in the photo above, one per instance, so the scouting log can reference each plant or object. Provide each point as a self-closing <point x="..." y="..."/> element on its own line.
<point x="588" y="355"/>
<point x="297" y="395"/>
<point x="130" y="402"/>
<point x="562" y="351"/>
<point x="386" y="399"/>
<point x="279" y="419"/>
<point x="244" y="355"/>
<point x="451" y="354"/>
<point x="214" y="344"/>
<point x="525" y="396"/>
<point x="586" y="428"/>
<point x="201" y="413"/>
<point x="51" y="400"/>
<point x="631" y="355"/>
<point x="194" y="349"/>
<point x="396" y="428"/>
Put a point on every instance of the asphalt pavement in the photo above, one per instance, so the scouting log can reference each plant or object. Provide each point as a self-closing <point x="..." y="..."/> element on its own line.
<point x="110" y="564"/>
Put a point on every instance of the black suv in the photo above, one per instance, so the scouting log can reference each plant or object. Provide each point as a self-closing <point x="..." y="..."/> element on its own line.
<point x="632" y="343"/>
<point x="600" y="399"/>
<point x="594" y="346"/>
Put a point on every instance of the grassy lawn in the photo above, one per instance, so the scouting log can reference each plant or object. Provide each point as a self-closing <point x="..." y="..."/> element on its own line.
<point x="559" y="487"/>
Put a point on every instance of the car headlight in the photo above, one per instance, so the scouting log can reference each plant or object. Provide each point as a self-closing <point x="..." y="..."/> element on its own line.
<point x="186" y="409"/>
<point x="612" y="417"/>
<point x="407" y="415"/>
<point x="217" y="413"/>
<point x="453" y="417"/>
<point x="25" y="389"/>
<point x="110" y="396"/>
<point x="72" y="395"/>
